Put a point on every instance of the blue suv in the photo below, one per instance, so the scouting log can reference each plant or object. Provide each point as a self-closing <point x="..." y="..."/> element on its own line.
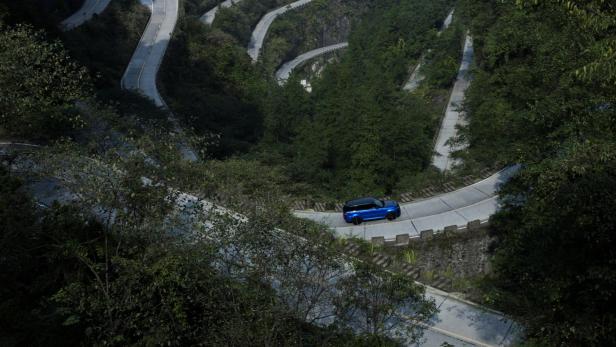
<point x="359" y="210"/>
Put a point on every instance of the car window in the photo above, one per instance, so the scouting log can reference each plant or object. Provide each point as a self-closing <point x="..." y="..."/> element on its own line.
<point x="375" y="204"/>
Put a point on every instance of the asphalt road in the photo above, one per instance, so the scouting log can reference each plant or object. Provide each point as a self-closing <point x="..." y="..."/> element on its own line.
<point x="142" y="70"/>
<point x="282" y="75"/>
<point x="260" y="31"/>
<point x="87" y="11"/>
<point x="475" y="202"/>
<point x="209" y="16"/>
<point x="454" y="117"/>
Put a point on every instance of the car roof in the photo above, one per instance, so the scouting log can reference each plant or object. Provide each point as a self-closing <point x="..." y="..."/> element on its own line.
<point x="360" y="201"/>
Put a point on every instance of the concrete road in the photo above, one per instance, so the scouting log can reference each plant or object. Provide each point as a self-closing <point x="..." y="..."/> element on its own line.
<point x="453" y="116"/>
<point x="142" y="70"/>
<point x="87" y="11"/>
<point x="447" y="22"/>
<point x="282" y="75"/>
<point x="260" y="31"/>
<point x="209" y="16"/>
<point x="462" y="323"/>
<point x="475" y="202"/>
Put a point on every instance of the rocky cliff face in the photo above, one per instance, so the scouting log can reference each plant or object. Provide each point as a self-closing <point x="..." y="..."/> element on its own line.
<point x="335" y="31"/>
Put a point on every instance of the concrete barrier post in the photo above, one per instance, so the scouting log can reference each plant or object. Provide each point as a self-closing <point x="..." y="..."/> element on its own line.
<point x="402" y="239"/>
<point x="426" y="234"/>
<point x="378" y="241"/>
<point x="473" y="225"/>
<point x="450" y="229"/>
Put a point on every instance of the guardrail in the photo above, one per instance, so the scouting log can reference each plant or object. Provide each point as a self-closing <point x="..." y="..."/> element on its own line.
<point x="424" y="235"/>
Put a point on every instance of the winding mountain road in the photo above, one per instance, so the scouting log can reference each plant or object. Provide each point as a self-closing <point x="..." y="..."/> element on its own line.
<point x="457" y="322"/>
<point x="282" y="75"/>
<point x="87" y="11"/>
<point x="209" y="16"/>
<point x="475" y="202"/>
<point x="260" y="31"/>
<point x="142" y="70"/>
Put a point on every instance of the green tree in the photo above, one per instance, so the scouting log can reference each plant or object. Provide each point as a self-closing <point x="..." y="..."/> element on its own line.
<point x="555" y="255"/>
<point x="39" y="85"/>
<point x="596" y="21"/>
<point x="375" y="301"/>
<point x="535" y="99"/>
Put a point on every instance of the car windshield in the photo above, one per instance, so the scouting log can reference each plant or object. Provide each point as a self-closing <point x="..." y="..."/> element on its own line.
<point x="379" y="203"/>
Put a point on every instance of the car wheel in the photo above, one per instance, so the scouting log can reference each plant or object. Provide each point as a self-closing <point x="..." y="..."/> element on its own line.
<point x="391" y="216"/>
<point x="356" y="220"/>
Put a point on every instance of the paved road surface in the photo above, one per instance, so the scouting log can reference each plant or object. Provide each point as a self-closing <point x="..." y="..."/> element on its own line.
<point x="260" y="31"/>
<point x="446" y="22"/>
<point x="453" y="116"/>
<point x="477" y="201"/>
<point x="282" y="75"/>
<point x="142" y="70"/>
<point x="462" y="323"/>
<point x="87" y="11"/>
<point x="209" y="16"/>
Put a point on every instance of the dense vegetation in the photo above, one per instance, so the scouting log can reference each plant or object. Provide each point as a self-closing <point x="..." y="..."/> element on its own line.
<point x="71" y="280"/>
<point x="40" y="13"/>
<point x="315" y="139"/>
<point x="358" y="133"/>
<point x="215" y="88"/>
<point x="127" y="265"/>
<point x="544" y="95"/>
<point x="31" y="106"/>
